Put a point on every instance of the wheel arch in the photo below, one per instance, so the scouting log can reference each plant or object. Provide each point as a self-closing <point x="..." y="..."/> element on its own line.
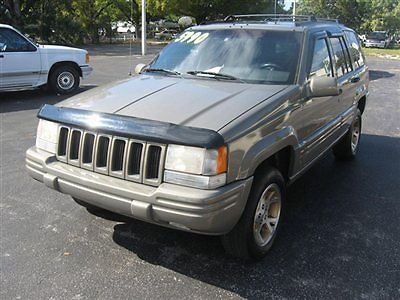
<point x="277" y="150"/>
<point x="361" y="104"/>
<point x="281" y="160"/>
<point x="64" y="63"/>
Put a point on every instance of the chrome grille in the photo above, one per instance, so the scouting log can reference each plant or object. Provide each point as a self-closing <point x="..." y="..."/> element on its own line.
<point x="115" y="156"/>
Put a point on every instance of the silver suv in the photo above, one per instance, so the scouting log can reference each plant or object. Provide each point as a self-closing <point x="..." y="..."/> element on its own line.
<point x="209" y="135"/>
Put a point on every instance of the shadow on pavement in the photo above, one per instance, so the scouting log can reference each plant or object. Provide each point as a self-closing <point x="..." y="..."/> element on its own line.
<point x="33" y="99"/>
<point x="375" y="75"/>
<point x="338" y="235"/>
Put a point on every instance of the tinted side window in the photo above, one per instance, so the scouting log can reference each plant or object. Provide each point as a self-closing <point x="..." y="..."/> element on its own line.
<point x="355" y="49"/>
<point x="346" y="54"/>
<point x="342" y="66"/>
<point x="321" y="63"/>
<point x="10" y="41"/>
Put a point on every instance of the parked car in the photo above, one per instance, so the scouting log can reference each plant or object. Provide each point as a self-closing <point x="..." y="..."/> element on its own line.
<point x="378" y="39"/>
<point x="26" y="65"/>
<point x="210" y="134"/>
<point x="166" y="35"/>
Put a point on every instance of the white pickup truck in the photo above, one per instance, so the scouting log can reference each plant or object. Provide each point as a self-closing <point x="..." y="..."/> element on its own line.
<point x="26" y="65"/>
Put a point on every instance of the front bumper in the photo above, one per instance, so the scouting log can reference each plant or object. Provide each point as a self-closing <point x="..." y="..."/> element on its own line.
<point x="213" y="212"/>
<point x="86" y="70"/>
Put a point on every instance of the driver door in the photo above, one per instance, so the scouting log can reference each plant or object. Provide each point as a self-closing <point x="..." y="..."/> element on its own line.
<point x="20" y="63"/>
<point x="318" y="113"/>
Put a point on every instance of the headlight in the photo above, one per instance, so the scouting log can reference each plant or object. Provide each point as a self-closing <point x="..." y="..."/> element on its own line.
<point x="46" y="137"/>
<point x="197" y="167"/>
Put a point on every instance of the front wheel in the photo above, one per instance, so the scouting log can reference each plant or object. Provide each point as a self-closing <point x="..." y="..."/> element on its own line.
<point x="347" y="147"/>
<point x="254" y="234"/>
<point x="64" y="79"/>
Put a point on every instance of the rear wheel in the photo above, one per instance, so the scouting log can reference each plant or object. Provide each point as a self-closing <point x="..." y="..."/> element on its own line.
<point x="64" y="79"/>
<point x="348" y="146"/>
<point x="256" y="230"/>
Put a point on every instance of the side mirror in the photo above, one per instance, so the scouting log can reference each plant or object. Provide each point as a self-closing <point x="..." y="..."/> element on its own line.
<point x="139" y="68"/>
<point x="324" y="86"/>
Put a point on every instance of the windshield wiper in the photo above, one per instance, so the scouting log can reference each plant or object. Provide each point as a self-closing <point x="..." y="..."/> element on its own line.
<point x="215" y="75"/>
<point x="162" y="71"/>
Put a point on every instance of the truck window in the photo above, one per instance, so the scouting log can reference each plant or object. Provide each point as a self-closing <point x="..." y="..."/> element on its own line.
<point x="321" y="63"/>
<point x="11" y="41"/>
<point x="355" y="49"/>
<point x="342" y="65"/>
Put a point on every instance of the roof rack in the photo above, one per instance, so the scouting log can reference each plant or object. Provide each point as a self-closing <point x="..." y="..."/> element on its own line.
<point x="277" y="18"/>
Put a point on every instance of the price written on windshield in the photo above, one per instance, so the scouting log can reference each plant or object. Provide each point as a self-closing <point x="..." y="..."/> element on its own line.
<point x="195" y="37"/>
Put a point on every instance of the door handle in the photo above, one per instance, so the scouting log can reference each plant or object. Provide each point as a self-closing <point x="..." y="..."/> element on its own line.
<point x="355" y="79"/>
<point x="1" y="56"/>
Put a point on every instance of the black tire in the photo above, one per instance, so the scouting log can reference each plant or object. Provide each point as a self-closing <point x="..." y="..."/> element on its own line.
<point x="347" y="147"/>
<point x="87" y="205"/>
<point x="241" y="241"/>
<point x="64" y="79"/>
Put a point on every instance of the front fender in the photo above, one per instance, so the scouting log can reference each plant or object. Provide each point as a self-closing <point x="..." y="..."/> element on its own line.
<point x="265" y="148"/>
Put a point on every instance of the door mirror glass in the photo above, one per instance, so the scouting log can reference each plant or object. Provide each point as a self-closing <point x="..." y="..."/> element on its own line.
<point x="324" y="86"/>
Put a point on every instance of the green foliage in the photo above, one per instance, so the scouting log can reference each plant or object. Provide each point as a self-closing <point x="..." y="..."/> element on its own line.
<point x="362" y="15"/>
<point x="203" y="10"/>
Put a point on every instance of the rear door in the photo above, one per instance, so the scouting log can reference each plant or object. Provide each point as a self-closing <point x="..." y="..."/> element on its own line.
<point x="20" y="63"/>
<point x="359" y="76"/>
<point x="344" y="72"/>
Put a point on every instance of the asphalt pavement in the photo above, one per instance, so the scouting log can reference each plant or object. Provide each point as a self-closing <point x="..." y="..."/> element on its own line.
<point x="340" y="238"/>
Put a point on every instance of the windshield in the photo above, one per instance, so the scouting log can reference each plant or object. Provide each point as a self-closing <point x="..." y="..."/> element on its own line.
<point x="252" y="56"/>
<point x="376" y="36"/>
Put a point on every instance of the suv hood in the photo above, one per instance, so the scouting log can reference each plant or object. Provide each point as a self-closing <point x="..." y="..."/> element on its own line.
<point x="199" y="103"/>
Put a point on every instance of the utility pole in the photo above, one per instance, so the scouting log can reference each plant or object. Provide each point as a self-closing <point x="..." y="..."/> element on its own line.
<point x="143" y="27"/>
<point x="275" y="7"/>
<point x="294" y="7"/>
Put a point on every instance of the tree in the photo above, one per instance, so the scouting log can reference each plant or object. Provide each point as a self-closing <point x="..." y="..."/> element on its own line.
<point x="204" y="10"/>
<point x="11" y="12"/>
<point x="362" y="15"/>
<point x="382" y="15"/>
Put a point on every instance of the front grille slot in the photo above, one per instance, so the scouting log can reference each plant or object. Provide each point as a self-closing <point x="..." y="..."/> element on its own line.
<point x="117" y="158"/>
<point x="63" y="141"/>
<point x="120" y="157"/>
<point x="134" y="158"/>
<point x="153" y="162"/>
<point x="74" y="145"/>
<point x="102" y="151"/>
<point x="88" y="146"/>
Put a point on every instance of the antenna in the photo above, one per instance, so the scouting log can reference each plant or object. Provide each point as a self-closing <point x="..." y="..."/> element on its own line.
<point x="130" y="42"/>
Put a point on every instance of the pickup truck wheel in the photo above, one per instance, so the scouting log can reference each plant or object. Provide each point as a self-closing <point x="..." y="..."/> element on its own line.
<point x="347" y="147"/>
<point x="254" y="234"/>
<point x="64" y="79"/>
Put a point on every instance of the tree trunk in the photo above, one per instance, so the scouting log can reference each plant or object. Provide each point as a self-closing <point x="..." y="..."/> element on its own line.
<point x="15" y="10"/>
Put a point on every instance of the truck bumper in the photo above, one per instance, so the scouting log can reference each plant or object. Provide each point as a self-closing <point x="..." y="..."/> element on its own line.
<point x="374" y="45"/>
<point x="212" y="212"/>
<point x="86" y="70"/>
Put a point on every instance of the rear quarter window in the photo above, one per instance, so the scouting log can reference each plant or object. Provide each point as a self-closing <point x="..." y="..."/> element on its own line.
<point x="355" y="49"/>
